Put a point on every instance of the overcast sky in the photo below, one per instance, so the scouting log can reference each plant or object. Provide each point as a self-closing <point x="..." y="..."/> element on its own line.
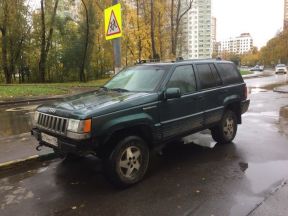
<point x="261" y="18"/>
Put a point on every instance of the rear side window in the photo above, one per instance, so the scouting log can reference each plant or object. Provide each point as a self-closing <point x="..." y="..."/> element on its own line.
<point x="183" y="77"/>
<point x="208" y="76"/>
<point x="229" y="73"/>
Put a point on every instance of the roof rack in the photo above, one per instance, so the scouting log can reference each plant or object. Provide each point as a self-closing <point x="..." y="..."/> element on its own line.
<point x="206" y="59"/>
<point x="143" y="61"/>
<point x="178" y="59"/>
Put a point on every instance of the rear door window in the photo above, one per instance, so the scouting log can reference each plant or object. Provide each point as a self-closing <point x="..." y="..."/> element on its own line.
<point x="229" y="73"/>
<point x="208" y="76"/>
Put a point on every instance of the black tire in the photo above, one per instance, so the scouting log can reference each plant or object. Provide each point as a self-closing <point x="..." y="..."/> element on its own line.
<point x="128" y="162"/>
<point x="226" y="130"/>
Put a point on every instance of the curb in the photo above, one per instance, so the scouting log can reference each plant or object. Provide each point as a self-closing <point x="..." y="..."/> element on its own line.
<point x="4" y="103"/>
<point x="279" y="90"/>
<point x="21" y="162"/>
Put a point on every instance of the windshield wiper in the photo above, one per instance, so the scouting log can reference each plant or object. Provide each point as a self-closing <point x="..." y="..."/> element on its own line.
<point x="119" y="90"/>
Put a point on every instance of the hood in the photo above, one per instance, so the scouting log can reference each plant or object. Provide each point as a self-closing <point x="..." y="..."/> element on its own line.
<point x="95" y="103"/>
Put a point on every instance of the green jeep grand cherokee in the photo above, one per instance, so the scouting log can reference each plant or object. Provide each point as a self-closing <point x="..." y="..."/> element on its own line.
<point x="142" y="108"/>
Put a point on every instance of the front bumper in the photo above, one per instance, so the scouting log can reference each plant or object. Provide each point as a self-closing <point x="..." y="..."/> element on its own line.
<point x="245" y="105"/>
<point x="66" y="145"/>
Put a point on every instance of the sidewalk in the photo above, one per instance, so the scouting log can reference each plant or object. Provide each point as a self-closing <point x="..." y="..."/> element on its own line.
<point x="275" y="205"/>
<point x="19" y="149"/>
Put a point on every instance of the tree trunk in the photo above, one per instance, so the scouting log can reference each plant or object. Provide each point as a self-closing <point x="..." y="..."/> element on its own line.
<point x="7" y="74"/>
<point x="160" y="36"/>
<point x="153" y="55"/>
<point x="42" y="62"/>
<point x="8" y="77"/>
<point x="45" y="45"/>
<point x="82" y="69"/>
<point x="139" y="42"/>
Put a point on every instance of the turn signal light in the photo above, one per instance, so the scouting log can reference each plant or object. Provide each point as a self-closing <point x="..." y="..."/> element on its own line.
<point x="87" y="126"/>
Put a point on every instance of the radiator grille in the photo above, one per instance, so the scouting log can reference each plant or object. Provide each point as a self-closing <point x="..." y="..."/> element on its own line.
<point x="52" y="123"/>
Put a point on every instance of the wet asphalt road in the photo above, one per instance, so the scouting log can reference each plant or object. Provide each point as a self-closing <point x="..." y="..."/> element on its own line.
<point x="186" y="180"/>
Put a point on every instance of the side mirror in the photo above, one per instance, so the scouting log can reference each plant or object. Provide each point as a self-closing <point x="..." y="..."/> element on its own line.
<point x="172" y="93"/>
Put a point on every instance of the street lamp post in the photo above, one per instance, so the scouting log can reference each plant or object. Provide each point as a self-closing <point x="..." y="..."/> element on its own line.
<point x="117" y="49"/>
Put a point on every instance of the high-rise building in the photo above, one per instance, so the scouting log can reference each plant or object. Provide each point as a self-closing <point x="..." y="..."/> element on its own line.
<point x="196" y="37"/>
<point x="213" y="29"/>
<point x="215" y="44"/>
<point x="238" y="45"/>
<point x="285" y="14"/>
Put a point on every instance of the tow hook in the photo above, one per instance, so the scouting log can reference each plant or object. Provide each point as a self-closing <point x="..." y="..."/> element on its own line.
<point x="38" y="148"/>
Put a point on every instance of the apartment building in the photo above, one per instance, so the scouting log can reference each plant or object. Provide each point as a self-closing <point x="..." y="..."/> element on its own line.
<point x="213" y="29"/>
<point x="238" y="45"/>
<point x="195" y="41"/>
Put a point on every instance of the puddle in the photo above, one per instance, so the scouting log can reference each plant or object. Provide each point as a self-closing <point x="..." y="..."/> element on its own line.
<point x="265" y="114"/>
<point x="265" y="175"/>
<point x="16" y="120"/>
<point x="275" y="85"/>
<point x="255" y="90"/>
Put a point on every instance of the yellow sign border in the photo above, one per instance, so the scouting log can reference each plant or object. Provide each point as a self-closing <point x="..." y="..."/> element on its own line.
<point x="116" y="9"/>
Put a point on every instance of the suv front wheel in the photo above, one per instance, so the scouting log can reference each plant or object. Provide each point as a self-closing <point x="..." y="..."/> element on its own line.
<point x="128" y="162"/>
<point x="226" y="130"/>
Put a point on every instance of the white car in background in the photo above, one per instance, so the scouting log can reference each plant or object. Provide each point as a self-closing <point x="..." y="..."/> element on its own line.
<point x="280" y="68"/>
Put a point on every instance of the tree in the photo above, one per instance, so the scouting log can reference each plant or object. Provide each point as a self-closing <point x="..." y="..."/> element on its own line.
<point x="46" y="42"/>
<point x="177" y="12"/>
<point x="82" y="73"/>
<point x="152" y="29"/>
<point x="3" y="28"/>
<point x="276" y="50"/>
<point x="14" y="33"/>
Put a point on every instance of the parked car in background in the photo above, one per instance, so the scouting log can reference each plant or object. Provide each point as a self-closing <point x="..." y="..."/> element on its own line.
<point x="281" y="68"/>
<point x="257" y="68"/>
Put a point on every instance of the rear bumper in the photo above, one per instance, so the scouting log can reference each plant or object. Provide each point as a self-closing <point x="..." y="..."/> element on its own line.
<point x="66" y="145"/>
<point x="245" y="105"/>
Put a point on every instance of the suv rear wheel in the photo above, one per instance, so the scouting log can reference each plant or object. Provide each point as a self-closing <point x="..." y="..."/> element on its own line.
<point x="226" y="130"/>
<point x="128" y="162"/>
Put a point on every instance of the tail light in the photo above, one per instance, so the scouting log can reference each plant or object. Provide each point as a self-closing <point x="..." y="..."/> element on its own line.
<point x="245" y="93"/>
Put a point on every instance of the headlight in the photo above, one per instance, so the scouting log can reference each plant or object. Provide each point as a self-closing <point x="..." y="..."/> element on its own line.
<point x="36" y="117"/>
<point x="79" y="126"/>
<point x="73" y="125"/>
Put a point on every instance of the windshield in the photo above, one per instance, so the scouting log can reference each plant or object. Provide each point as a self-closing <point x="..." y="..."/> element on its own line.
<point x="138" y="78"/>
<point x="281" y="65"/>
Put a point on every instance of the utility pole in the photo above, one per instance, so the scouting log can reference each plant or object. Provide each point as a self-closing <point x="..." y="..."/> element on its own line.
<point x="117" y="48"/>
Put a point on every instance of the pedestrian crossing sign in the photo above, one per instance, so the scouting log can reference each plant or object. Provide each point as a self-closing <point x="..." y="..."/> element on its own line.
<point x="113" y="22"/>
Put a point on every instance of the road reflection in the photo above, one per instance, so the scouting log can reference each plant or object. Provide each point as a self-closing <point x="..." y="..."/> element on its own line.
<point x="16" y="120"/>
